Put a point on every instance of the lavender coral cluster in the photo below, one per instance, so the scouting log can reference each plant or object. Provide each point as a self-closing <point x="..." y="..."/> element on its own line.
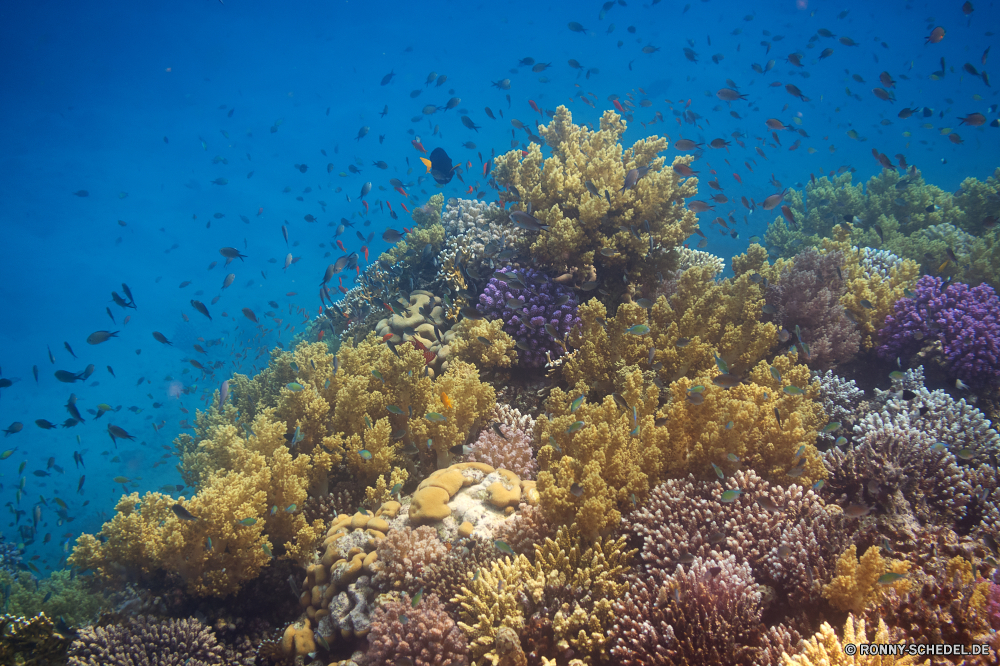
<point x="526" y="324"/>
<point x="808" y="296"/>
<point x="964" y="320"/>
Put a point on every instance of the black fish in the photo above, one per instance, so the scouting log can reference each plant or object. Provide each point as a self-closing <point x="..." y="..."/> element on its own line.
<point x="441" y="167"/>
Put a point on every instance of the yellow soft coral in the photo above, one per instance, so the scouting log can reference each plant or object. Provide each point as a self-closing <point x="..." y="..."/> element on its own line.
<point x="615" y="229"/>
<point x="483" y="343"/>
<point x="489" y="602"/>
<point x="705" y="425"/>
<point x="870" y="297"/>
<point x="570" y="562"/>
<point x="709" y="318"/>
<point x="857" y="585"/>
<point x="611" y="453"/>
<point x="825" y="649"/>
<point x="237" y="525"/>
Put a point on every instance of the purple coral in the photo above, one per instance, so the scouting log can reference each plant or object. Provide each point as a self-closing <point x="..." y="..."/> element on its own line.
<point x="964" y="320"/>
<point x="546" y="303"/>
<point x="808" y="296"/>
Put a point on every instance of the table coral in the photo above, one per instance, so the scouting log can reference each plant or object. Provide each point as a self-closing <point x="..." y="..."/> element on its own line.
<point x="614" y="231"/>
<point x="964" y="321"/>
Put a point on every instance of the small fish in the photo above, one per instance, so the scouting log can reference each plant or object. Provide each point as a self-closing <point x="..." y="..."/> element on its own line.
<point x="503" y="547"/>
<point x="574" y="427"/>
<point x="775" y="374"/>
<point x="434" y="417"/>
<point x="638" y="329"/>
<point x="378" y="375"/>
<point x="291" y="508"/>
<point x="857" y="510"/>
<point x="833" y="426"/>
<point x="890" y="578"/>
<point x="718" y="471"/>
<point x="731" y="495"/>
<point x="768" y="504"/>
<point x="294" y="387"/>
<point x="247" y="522"/>
<point x="182" y="513"/>
<point x="683" y="342"/>
<point x="576" y="489"/>
<point x="365" y="454"/>
<point x="575" y="405"/>
<point x="394" y="409"/>
<point x="793" y="390"/>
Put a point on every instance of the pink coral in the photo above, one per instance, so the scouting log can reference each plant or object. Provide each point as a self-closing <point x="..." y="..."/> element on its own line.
<point x="993" y="606"/>
<point x="426" y="635"/>
<point x="808" y="296"/>
<point x="512" y="451"/>
<point x="404" y="553"/>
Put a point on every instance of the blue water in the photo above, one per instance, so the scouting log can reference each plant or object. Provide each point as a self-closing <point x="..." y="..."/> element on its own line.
<point x="133" y="101"/>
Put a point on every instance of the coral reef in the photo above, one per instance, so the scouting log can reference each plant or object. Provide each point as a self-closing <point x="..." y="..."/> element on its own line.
<point x="421" y="321"/>
<point x="31" y="641"/>
<point x="960" y="324"/>
<point x="841" y="400"/>
<point x="807" y="298"/>
<point x="143" y="641"/>
<point x="666" y="618"/>
<point x="859" y="582"/>
<point x="421" y="633"/>
<point x="536" y="312"/>
<point x="825" y="648"/>
<point x="504" y="447"/>
<point x="593" y="221"/>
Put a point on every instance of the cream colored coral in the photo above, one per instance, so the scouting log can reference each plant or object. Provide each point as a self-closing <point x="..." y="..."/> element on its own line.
<point x="825" y="649"/>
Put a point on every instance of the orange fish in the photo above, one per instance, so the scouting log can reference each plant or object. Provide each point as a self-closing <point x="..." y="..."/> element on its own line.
<point x="534" y="106"/>
<point x="444" y="396"/>
<point x="366" y="206"/>
<point x="486" y="168"/>
<point x="402" y="191"/>
<point x="341" y="245"/>
<point x="420" y="147"/>
<point x="618" y="106"/>
<point x="320" y="336"/>
<point x="404" y="207"/>
<point x="427" y="163"/>
<point x="364" y="248"/>
<point x="260" y="211"/>
<point x="738" y="179"/>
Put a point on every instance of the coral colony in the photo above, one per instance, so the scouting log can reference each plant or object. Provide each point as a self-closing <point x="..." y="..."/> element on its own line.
<point x="545" y="432"/>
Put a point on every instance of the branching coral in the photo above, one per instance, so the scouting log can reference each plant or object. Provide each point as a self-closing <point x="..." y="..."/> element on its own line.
<point x="826" y="649"/>
<point x="859" y="583"/>
<point x="535" y="311"/>
<point x="615" y="231"/>
<point x="31" y="641"/>
<point x="774" y="424"/>
<point x="563" y="600"/>
<point x="142" y="641"/>
<point x="963" y="322"/>
<point x="423" y="635"/>
<point x="808" y="296"/>
<point x="786" y="534"/>
<point x="483" y="343"/>
<point x="701" y="320"/>
<point x="707" y="614"/>
<point x="510" y="450"/>
<point x="841" y="400"/>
